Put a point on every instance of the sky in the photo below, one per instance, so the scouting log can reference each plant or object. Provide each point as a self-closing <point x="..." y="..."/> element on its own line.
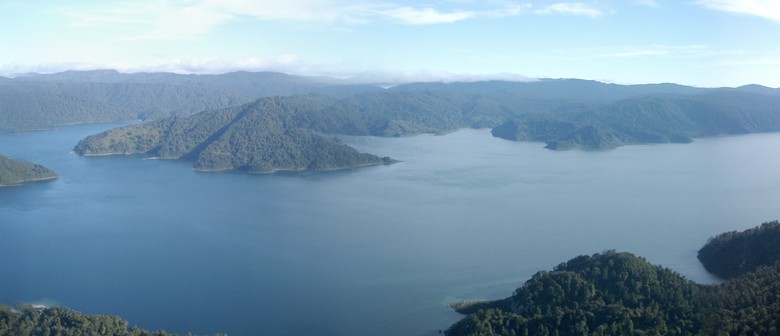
<point x="707" y="43"/>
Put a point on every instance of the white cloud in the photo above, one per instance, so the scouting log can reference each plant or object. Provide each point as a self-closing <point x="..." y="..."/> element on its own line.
<point x="289" y="64"/>
<point x="572" y="8"/>
<point x="649" y="3"/>
<point x="426" y="15"/>
<point x="390" y="78"/>
<point x="150" y="20"/>
<point x="191" y="19"/>
<point x="767" y="9"/>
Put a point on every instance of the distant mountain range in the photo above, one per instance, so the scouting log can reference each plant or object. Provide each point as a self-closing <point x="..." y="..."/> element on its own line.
<point x="35" y="101"/>
<point x="562" y="113"/>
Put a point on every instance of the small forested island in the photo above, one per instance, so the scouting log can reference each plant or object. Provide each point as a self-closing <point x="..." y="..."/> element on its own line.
<point x="28" y="320"/>
<point x="613" y="293"/>
<point x="14" y="171"/>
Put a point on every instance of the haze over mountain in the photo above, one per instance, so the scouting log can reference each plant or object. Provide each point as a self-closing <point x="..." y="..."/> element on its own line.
<point x="38" y="101"/>
<point x="706" y="43"/>
<point x="564" y="114"/>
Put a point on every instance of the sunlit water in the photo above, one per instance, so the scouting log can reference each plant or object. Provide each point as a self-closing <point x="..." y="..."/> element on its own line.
<point x="373" y="251"/>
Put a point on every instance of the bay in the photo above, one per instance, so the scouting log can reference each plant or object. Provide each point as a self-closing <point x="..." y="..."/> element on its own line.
<point x="372" y="251"/>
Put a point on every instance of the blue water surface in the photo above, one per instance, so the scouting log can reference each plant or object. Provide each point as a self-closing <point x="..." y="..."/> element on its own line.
<point x="372" y="251"/>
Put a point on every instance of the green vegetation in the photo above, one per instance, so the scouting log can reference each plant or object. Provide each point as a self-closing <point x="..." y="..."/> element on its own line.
<point x="13" y="171"/>
<point x="619" y="294"/>
<point x="37" y="321"/>
<point x="264" y="136"/>
<point x="45" y="101"/>
<point x="288" y="132"/>
<point x="735" y="253"/>
<point x="652" y="119"/>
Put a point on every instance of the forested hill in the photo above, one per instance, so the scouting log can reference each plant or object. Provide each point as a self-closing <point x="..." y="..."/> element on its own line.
<point x="620" y="294"/>
<point x="13" y="171"/>
<point x="36" y="101"/>
<point x="264" y="136"/>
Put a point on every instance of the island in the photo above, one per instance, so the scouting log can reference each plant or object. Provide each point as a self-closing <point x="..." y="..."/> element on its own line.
<point x="15" y="172"/>
<point x="612" y="293"/>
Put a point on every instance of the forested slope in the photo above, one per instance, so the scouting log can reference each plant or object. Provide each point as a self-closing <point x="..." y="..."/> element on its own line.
<point x="649" y="119"/>
<point x="735" y="253"/>
<point x="264" y="136"/>
<point x="56" y="321"/>
<point x="35" y="101"/>
<point x="619" y="294"/>
<point x="14" y="171"/>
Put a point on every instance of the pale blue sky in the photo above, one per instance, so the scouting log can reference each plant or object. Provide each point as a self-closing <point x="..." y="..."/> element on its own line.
<point x="695" y="42"/>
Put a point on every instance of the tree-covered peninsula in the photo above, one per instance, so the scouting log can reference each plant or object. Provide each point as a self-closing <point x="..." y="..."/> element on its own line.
<point x="14" y="171"/>
<point x="260" y="137"/>
<point x="648" y="119"/>
<point x="735" y="253"/>
<point x="29" y="320"/>
<point x="614" y="293"/>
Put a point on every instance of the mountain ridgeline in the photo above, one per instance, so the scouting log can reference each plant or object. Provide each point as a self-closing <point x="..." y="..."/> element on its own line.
<point x="264" y="136"/>
<point x="35" y="101"/>
<point x="15" y="171"/>
<point x="286" y="133"/>
<point x="235" y="130"/>
<point x="650" y="119"/>
<point x="620" y="294"/>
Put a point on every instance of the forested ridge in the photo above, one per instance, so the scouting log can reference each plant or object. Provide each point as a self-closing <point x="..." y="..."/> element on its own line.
<point x="564" y="114"/>
<point x="14" y="171"/>
<point x="614" y="293"/>
<point x="649" y="119"/>
<point x="35" y="101"/>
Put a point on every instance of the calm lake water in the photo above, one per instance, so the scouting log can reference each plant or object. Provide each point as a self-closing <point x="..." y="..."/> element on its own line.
<point x="372" y="251"/>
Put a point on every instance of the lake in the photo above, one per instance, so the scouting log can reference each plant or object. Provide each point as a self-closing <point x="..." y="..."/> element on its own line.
<point x="372" y="251"/>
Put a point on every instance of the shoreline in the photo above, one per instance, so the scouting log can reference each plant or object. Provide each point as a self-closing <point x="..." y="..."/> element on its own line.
<point x="103" y="154"/>
<point x="281" y="170"/>
<point x="22" y="182"/>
